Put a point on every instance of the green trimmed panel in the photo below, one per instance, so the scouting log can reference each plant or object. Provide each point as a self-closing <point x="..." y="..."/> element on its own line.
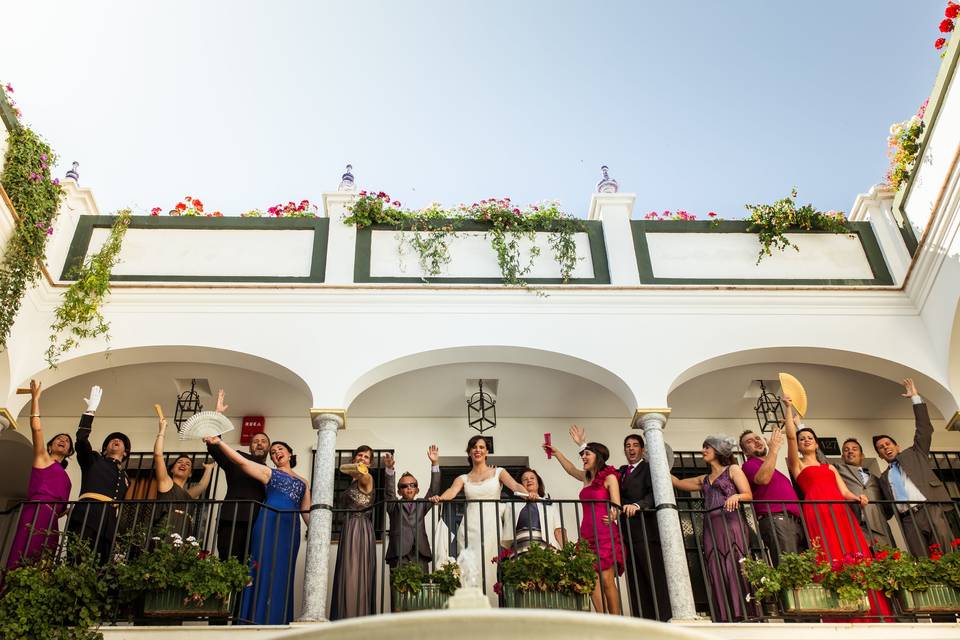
<point x="863" y="231"/>
<point x="320" y="227"/>
<point x="361" y="263"/>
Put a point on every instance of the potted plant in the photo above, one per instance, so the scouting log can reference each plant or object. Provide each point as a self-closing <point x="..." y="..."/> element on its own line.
<point x="179" y="579"/>
<point x="544" y="577"/>
<point x="414" y="590"/>
<point x="921" y="585"/>
<point x="807" y="583"/>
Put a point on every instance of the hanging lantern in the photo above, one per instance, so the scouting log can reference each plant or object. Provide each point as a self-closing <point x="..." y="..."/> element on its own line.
<point x="769" y="410"/>
<point x="188" y="403"/>
<point x="481" y="410"/>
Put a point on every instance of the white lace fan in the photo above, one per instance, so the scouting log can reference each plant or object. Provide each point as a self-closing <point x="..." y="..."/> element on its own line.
<point x="203" y="424"/>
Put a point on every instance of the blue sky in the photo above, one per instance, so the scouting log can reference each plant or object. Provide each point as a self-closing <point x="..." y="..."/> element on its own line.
<point x="694" y="105"/>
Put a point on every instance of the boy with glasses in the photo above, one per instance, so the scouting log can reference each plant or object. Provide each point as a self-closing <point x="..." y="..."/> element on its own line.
<point x="408" y="534"/>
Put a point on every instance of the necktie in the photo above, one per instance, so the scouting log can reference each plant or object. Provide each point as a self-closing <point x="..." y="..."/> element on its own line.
<point x="896" y="481"/>
<point x="864" y="475"/>
<point x="409" y="507"/>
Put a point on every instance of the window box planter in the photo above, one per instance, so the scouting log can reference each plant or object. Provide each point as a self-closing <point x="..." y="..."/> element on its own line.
<point x="429" y="597"/>
<point x="938" y="598"/>
<point x="169" y="603"/>
<point x="545" y="600"/>
<point x="814" y="599"/>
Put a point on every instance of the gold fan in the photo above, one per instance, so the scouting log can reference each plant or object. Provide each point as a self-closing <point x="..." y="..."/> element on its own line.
<point x="790" y="386"/>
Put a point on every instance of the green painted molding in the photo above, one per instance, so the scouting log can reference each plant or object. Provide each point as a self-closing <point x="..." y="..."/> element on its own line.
<point x="937" y="97"/>
<point x="361" y="262"/>
<point x="320" y="227"/>
<point x="863" y="231"/>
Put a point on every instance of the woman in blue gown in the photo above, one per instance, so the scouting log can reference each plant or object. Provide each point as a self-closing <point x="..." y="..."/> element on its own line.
<point x="275" y="539"/>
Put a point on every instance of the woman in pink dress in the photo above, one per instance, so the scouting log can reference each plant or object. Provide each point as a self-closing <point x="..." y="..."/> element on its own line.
<point x="599" y="526"/>
<point x="831" y="525"/>
<point x="38" y="528"/>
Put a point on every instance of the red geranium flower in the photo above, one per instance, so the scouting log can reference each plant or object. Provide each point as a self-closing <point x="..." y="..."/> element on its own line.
<point x="711" y="215"/>
<point x="883" y="555"/>
<point x="155" y="211"/>
<point x="896" y="555"/>
<point x="939" y="43"/>
<point x="181" y="207"/>
<point x="952" y="10"/>
<point x="946" y="26"/>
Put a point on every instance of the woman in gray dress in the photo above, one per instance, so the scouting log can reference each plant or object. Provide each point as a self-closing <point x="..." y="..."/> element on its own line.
<point x="354" y="585"/>
<point x="172" y="487"/>
<point x="725" y="539"/>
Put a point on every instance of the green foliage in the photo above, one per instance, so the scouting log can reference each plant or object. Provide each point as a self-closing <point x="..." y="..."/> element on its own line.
<point x="771" y="221"/>
<point x="169" y="561"/>
<point x="409" y="578"/>
<point x="794" y="571"/>
<point x="79" y="315"/>
<point x="512" y="233"/>
<point x="36" y="200"/>
<point x="543" y="568"/>
<point x="903" y="145"/>
<point x="60" y="601"/>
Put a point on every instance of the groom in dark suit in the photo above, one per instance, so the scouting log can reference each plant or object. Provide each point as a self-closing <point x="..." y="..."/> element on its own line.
<point x="646" y="578"/>
<point x="408" y="534"/>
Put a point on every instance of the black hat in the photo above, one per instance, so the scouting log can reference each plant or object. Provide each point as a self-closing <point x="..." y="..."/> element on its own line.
<point x="119" y="436"/>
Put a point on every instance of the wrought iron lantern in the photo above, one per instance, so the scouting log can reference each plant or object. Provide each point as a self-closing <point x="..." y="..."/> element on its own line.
<point x="188" y="403"/>
<point x="481" y="410"/>
<point x="769" y="410"/>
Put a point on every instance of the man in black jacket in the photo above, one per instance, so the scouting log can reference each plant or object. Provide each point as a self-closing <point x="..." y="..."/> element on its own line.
<point x="646" y="578"/>
<point x="237" y="518"/>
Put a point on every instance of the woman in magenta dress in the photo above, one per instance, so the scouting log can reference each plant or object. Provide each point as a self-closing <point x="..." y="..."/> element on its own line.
<point x="599" y="526"/>
<point x="832" y="527"/>
<point x="38" y="528"/>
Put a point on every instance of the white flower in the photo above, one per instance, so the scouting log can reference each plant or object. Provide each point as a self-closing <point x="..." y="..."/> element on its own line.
<point x="741" y="560"/>
<point x="175" y="536"/>
<point x="155" y="538"/>
<point x="763" y="579"/>
<point x="178" y="543"/>
<point x="191" y="539"/>
<point x="195" y="544"/>
<point x="749" y="597"/>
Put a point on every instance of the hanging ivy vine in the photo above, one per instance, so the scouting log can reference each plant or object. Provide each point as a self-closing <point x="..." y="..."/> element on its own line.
<point x="79" y="315"/>
<point x="512" y="232"/>
<point x="772" y="221"/>
<point x="36" y="200"/>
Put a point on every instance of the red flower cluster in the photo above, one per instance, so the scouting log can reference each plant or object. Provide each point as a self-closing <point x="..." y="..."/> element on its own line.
<point x="293" y="210"/>
<point x="380" y="195"/>
<point x="187" y="207"/>
<point x="675" y="215"/>
<point x="947" y="25"/>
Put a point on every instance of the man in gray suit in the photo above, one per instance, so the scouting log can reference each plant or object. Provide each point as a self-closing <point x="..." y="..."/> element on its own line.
<point x="909" y="478"/>
<point x="408" y="534"/>
<point x="862" y="482"/>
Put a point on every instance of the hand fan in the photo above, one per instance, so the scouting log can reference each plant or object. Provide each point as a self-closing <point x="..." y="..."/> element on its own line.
<point x="790" y="386"/>
<point x="205" y="423"/>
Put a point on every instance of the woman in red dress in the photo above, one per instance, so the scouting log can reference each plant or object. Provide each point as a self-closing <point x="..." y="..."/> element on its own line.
<point x="832" y="526"/>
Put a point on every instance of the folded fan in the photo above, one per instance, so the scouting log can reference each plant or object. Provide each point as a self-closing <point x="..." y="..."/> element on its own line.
<point x="203" y="424"/>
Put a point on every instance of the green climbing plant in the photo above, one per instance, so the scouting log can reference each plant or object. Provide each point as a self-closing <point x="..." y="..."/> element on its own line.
<point x="35" y="197"/>
<point x="79" y="315"/>
<point x="771" y="223"/>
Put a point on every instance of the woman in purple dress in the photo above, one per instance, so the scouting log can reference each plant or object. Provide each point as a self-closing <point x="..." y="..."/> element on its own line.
<point x="725" y="539"/>
<point x="601" y="511"/>
<point x="38" y="528"/>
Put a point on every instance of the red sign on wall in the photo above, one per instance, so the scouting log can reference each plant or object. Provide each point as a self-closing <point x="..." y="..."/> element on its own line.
<point x="251" y="425"/>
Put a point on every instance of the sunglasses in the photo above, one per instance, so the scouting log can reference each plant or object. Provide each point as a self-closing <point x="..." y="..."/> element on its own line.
<point x="407" y="485"/>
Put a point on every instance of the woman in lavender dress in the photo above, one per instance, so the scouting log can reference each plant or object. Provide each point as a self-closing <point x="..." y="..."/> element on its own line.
<point x="725" y="539"/>
<point x="275" y="539"/>
<point x="38" y="528"/>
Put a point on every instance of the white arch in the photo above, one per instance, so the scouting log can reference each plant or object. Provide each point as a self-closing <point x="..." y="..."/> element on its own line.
<point x="163" y="353"/>
<point x="932" y="389"/>
<point x="495" y="353"/>
<point x="953" y="357"/>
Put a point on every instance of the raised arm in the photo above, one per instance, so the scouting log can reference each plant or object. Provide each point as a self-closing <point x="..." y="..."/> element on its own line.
<point x="85" y="454"/>
<point x="743" y="488"/>
<point x="197" y="490"/>
<point x="568" y="466"/>
<point x="765" y="472"/>
<point x="433" y="454"/>
<point x="252" y="469"/>
<point x="41" y="459"/>
<point x="923" y="434"/>
<point x="790" y="427"/>
<point x="390" y="483"/>
<point x="164" y="482"/>
<point x="687" y="484"/>
<point x="450" y="493"/>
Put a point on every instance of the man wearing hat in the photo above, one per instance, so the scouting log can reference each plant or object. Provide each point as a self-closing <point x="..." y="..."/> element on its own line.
<point x="103" y="480"/>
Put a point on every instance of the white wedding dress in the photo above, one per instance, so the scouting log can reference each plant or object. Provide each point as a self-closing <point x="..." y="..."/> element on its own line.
<point x="469" y="533"/>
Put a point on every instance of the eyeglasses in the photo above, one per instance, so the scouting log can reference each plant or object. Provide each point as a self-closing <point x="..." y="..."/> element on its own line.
<point x="407" y="485"/>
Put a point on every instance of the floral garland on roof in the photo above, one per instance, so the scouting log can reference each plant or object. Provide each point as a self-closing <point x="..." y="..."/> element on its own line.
<point x="947" y="25"/>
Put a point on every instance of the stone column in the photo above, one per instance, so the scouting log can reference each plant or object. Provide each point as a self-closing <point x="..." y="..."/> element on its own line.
<point x="327" y="423"/>
<point x="668" y="520"/>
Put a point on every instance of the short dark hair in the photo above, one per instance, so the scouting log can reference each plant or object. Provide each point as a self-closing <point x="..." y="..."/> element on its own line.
<point x="360" y="450"/>
<point x="854" y="441"/>
<point x="177" y="459"/>
<point x="541" y="490"/>
<point x="740" y="439"/>
<point x="881" y="437"/>
<point x="405" y="474"/>
<point x="471" y="443"/>
<point x="293" y="458"/>
<point x="633" y="436"/>
<point x="260" y="433"/>
<point x="811" y="432"/>
<point x="63" y="463"/>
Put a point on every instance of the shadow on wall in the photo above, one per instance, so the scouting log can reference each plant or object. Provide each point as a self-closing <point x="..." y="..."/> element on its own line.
<point x="16" y="457"/>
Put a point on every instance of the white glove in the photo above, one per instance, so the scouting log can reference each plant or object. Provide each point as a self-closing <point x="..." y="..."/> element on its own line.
<point x="94" y="400"/>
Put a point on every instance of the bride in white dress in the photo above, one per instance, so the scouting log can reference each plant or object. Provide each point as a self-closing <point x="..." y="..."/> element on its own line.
<point x="482" y="483"/>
